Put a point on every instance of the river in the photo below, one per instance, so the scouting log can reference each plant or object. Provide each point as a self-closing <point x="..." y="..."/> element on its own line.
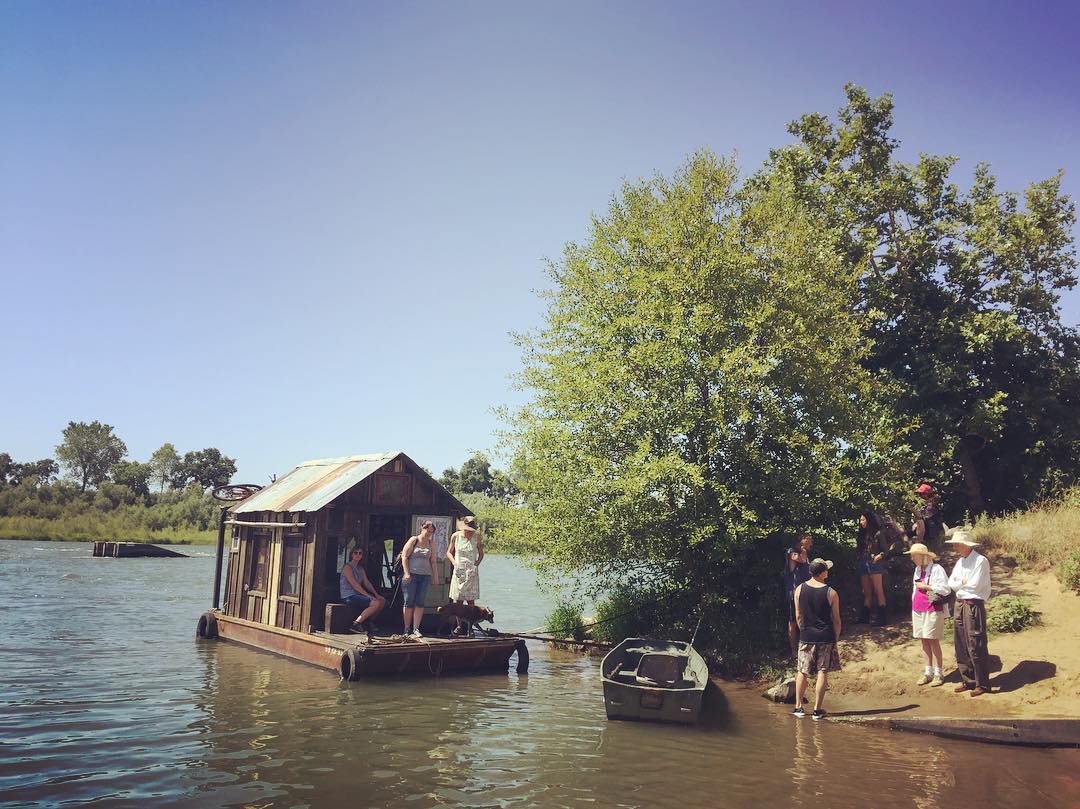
<point x="106" y="698"/>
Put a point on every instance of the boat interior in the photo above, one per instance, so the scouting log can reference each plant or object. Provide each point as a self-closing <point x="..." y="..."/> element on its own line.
<point x="646" y="666"/>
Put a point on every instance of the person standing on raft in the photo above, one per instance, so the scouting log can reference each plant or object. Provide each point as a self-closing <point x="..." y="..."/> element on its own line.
<point x="465" y="552"/>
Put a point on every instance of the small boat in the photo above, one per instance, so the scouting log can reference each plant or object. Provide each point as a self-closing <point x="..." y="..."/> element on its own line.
<point x="654" y="680"/>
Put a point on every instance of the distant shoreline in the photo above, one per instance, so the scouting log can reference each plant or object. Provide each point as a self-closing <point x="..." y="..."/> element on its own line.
<point x="185" y="538"/>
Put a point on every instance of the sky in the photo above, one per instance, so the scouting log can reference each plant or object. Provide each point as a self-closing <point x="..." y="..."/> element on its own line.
<point x="305" y="230"/>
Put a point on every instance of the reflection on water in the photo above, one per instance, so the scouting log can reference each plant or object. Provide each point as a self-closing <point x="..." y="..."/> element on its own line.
<point x="107" y="698"/>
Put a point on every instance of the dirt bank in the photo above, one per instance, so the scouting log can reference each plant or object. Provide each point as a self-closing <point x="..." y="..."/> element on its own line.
<point x="1036" y="672"/>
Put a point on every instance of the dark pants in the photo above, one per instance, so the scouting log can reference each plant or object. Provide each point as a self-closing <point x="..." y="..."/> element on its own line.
<point x="969" y="641"/>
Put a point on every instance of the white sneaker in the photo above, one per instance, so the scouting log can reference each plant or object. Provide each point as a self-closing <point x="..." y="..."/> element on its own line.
<point x="417" y="634"/>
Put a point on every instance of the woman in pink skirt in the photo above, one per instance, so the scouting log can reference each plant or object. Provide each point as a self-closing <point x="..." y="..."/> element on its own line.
<point x="927" y="615"/>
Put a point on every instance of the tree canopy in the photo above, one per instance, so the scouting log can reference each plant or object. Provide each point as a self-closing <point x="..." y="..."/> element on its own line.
<point x="206" y="467"/>
<point x="697" y="383"/>
<point x="958" y="292"/>
<point x="89" y="451"/>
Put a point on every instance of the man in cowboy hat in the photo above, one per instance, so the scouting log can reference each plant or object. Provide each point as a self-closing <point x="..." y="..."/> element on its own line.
<point x="970" y="580"/>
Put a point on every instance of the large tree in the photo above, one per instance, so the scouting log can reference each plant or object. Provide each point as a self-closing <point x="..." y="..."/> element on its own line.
<point x="207" y="467"/>
<point x="696" y="385"/>
<point x="958" y="291"/>
<point x="134" y="475"/>
<point x="163" y="465"/>
<point x="89" y="451"/>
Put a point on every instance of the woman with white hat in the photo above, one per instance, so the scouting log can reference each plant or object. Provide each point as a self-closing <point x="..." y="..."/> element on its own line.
<point x="466" y="552"/>
<point x="930" y="586"/>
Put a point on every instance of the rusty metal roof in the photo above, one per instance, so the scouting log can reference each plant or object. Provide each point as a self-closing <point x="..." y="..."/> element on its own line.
<point x="313" y="484"/>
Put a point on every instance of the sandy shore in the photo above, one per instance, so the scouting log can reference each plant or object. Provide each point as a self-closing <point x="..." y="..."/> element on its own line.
<point x="1036" y="672"/>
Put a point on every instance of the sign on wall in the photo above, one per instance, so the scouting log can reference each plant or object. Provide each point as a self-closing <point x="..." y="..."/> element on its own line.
<point x="442" y="531"/>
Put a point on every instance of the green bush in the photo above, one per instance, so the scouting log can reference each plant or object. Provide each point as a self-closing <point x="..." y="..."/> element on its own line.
<point x="1011" y="614"/>
<point x="566" y="622"/>
<point x="1068" y="571"/>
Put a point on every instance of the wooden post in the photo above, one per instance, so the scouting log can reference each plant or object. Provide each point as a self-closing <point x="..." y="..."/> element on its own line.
<point x="220" y="554"/>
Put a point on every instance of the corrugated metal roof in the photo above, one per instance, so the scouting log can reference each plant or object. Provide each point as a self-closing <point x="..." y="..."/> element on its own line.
<point x="313" y="484"/>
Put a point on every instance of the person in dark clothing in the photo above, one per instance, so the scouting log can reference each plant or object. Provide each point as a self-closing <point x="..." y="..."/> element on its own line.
<point x="817" y="610"/>
<point x="878" y="539"/>
<point x="796" y="571"/>
<point x="928" y="527"/>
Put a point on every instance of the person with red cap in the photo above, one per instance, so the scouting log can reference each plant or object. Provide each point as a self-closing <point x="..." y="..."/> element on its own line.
<point x="928" y="526"/>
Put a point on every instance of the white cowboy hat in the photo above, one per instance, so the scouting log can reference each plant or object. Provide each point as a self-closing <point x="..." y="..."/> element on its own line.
<point x="962" y="537"/>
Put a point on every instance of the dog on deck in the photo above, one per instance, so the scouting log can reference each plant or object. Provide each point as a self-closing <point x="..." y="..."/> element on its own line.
<point x="461" y="617"/>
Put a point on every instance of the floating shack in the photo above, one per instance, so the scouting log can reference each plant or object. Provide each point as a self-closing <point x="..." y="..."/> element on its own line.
<point x="289" y="542"/>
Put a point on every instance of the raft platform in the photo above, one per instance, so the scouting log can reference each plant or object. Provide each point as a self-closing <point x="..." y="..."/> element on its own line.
<point x="354" y="656"/>
<point x="130" y="550"/>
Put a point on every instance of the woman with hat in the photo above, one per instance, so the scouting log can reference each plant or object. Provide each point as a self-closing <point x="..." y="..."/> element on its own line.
<point x="929" y="586"/>
<point x="465" y="552"/>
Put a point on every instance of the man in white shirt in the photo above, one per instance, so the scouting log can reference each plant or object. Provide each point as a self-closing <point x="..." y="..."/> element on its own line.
<point x="970" y="580"/>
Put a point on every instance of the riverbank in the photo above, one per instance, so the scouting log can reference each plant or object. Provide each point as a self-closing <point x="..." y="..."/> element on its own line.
<point x="41" y="530"/>
<point x="1035" y="673"/>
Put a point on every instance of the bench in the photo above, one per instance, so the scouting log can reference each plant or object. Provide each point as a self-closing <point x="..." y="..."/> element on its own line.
<point x="339" y="617"/>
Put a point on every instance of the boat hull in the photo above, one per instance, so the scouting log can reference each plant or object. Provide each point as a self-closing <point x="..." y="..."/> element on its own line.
<point x="631" y="694"/>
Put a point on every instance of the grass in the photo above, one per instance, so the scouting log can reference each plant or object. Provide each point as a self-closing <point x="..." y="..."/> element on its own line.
<point x="87" y="528"/>
<point x="1038" y="538"/>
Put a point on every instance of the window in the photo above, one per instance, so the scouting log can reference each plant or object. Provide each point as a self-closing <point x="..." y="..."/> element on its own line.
<point x="260" y="561"/>
<point x="291" y="555"/>
<point x="393" y="489"/>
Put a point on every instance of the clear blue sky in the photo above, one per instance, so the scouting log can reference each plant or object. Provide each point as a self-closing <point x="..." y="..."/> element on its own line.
<point x="297" y="230"/>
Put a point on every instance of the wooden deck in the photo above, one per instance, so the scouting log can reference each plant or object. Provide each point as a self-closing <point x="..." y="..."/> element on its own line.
<point x="353" y="656"/>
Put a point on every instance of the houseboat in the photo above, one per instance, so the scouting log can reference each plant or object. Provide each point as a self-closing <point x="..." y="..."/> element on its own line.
<point x="288" y="543"/>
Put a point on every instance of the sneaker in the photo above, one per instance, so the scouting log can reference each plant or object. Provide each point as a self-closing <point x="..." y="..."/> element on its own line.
<point x="416" y="633"/>
<point x="934" y="683"/>
<point x="359" y="629"/>
<point x="817" y="714"/>
<point x="799" y="713"/>
<point x="924" y="679"/>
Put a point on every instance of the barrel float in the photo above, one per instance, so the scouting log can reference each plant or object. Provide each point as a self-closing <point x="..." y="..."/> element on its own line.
<point x="207" y="628"/>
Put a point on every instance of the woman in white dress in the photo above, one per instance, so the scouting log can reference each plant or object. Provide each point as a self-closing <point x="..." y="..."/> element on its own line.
<point x="466" y="552"/>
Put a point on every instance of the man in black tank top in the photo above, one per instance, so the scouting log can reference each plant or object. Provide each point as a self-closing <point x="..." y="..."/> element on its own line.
<point x="817" y="611"/>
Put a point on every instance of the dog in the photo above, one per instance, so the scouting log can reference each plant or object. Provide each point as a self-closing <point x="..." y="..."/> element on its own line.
<point x="461" y="617"/>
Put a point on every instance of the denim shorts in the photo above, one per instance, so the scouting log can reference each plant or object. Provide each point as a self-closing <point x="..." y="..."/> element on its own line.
<point x="358" y="600"/>
<point x="869" y="568"/>
<point x="415" y="590"/>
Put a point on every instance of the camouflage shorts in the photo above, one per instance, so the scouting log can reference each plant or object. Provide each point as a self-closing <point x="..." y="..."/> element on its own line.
<point x="815" y="657"/>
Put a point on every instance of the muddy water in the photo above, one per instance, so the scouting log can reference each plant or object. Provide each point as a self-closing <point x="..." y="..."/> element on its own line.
<point x="106" y="698"/>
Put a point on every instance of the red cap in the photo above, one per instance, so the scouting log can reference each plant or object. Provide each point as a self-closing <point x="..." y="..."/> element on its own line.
<point x="925" y="488"/>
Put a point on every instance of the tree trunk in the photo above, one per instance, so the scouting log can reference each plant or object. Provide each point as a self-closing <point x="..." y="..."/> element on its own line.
<point x="965" y="454"/>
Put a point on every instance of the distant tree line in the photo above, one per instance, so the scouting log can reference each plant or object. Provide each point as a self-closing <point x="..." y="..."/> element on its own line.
<point x="168" y="492"/>
<point x="491" y="495"/>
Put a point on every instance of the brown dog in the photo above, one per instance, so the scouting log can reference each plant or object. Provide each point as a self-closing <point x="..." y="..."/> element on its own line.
<point x="461" y="617"/>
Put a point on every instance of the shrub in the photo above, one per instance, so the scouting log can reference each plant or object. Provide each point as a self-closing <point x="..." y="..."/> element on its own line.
<point x="566" y="622"/>
<point x="1011" y="614"/>
<point x="1068" y="571"/>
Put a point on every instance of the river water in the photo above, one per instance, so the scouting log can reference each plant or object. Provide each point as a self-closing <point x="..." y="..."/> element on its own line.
<point x="106" y="698"/>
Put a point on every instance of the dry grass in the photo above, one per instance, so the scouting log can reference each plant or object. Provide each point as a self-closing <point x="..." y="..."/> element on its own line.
<point x="1037" y="538"/>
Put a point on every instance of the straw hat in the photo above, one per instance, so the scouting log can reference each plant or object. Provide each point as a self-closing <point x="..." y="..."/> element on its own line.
<point x="467" y="524"/>
<point x="918" y="547"/>
<point x="962" y="537"/>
